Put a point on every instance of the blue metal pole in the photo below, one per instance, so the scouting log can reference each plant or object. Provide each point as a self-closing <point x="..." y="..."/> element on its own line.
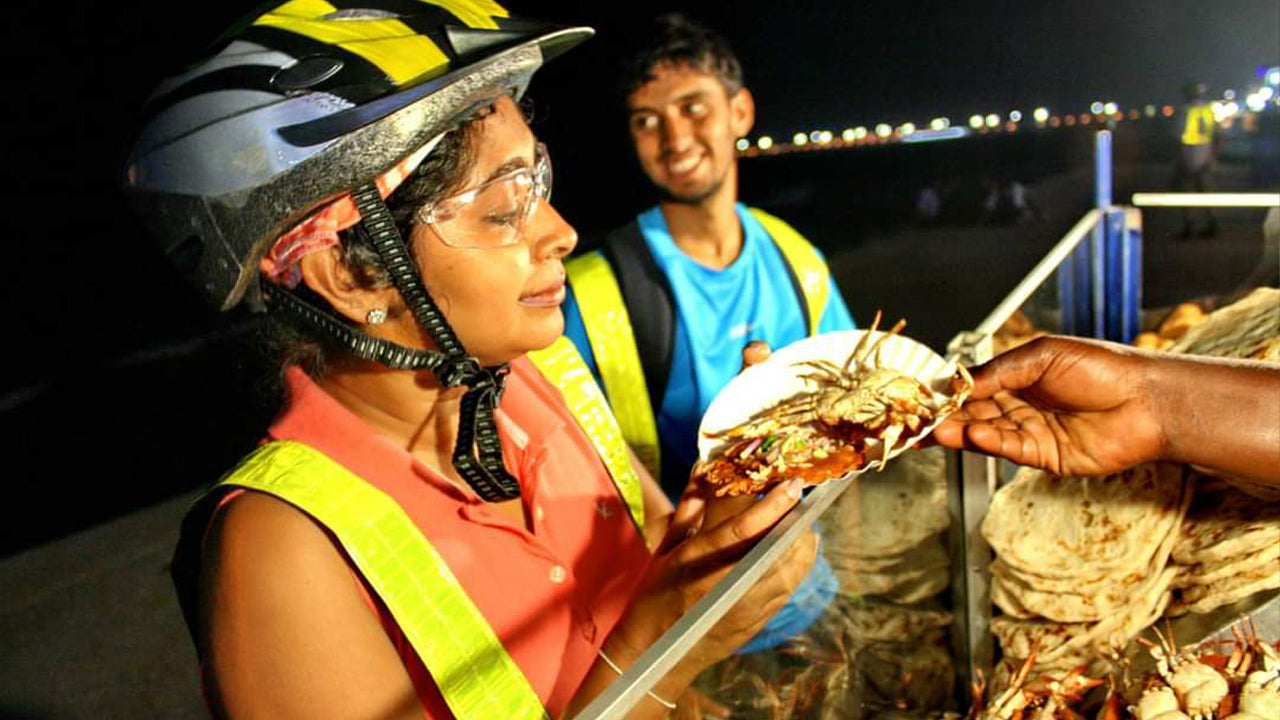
<point x="1131" y="271"/>
<point x="1098" y="243"/>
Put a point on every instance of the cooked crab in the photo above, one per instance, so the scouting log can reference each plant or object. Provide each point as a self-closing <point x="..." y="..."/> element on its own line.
<point x="860" y="398"/>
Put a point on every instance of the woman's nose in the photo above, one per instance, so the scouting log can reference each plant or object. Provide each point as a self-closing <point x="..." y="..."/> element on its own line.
<point x="553" y="237"/>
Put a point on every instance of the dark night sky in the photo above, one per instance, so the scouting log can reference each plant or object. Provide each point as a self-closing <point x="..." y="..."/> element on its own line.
<point x="837" y="64"/>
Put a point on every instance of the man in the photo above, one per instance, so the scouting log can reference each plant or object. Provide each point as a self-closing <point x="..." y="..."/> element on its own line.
<point x="662" y="313"/>
<point x="1196" y="155"/>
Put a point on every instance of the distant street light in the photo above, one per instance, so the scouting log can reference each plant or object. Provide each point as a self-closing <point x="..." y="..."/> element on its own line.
<point x="765" y="142"/>
<point x="1040" y="114"/>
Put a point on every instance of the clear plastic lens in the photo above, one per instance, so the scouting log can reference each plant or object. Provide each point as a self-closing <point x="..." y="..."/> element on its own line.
<point x="493" y="214"/>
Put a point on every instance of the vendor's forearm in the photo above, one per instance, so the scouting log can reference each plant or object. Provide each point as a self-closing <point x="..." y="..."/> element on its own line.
<point x="1222" y="414"/>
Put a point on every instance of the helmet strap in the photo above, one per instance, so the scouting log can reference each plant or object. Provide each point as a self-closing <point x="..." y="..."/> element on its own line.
<point x="477" y="454"/>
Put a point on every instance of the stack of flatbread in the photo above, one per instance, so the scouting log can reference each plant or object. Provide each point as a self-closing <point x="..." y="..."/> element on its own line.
<point x="1227" y="549"/>
<point x="883" y="536"/>
<point x="1082" y="563"/>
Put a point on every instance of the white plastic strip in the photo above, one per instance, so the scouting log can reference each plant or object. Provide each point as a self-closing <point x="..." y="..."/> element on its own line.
<point x="1206" y="199"/>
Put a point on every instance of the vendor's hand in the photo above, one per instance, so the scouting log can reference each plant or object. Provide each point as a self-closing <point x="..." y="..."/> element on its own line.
<point x="697" y="554"/>
<point x="1072" y="407"/>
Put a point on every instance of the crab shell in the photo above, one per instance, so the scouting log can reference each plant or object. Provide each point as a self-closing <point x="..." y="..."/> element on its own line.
<point x="781" y="377"/>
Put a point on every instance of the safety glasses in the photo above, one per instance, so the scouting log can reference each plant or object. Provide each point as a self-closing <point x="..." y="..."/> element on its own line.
<point x="495" y="213"/>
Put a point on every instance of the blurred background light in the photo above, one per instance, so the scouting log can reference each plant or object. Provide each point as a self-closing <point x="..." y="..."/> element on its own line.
<point x="800" y="139"/>
<point x="1015" y="116"/>
<point x="1040" y="114"/>
<point x="765" y="142"/>
<point x="992" y="120"/>
<point x="743" y="143"/>
<point x="975" y="121"/>
<point x="1096" y="108"/>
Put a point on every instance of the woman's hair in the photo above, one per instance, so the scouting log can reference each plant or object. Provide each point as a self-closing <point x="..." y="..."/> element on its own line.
<point x="287" y="342"/>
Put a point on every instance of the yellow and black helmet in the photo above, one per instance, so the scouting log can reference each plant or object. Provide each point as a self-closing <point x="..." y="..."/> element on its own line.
<point x="304" y="103"/>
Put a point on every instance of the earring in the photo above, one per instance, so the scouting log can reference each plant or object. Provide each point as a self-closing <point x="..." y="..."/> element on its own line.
<point x="376" y="316"/>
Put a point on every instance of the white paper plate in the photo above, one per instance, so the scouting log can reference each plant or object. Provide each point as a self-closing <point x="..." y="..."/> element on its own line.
<point x="762" y="386"/>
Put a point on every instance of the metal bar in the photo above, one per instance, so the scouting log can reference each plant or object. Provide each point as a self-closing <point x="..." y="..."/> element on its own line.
<point x="1115" y="303"/>
<point x="1102" y="169"/>
<point x="1206" y="199"/>
<point x="663" y="655"/>
<point x="1098" y="255"/>
<point x="971" y="481"/>
<point x="1096" y="279"/>
<point x="1039" y="274"/>
<point x="1131" y="274"/>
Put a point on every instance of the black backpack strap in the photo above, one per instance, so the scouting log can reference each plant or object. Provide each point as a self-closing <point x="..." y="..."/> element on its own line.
<point x="650" y="303"/>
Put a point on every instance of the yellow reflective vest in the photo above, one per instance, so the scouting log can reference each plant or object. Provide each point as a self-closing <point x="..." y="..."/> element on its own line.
<point x="1199" y="125"/>
<point x="476" y="676"/>
<point x="613" y="341"/>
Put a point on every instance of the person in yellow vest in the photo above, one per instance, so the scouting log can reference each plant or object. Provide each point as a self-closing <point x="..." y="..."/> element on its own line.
<point x="443" y="520"/>
<point x="662" y="310"/>
<point x="1198" y="144"/>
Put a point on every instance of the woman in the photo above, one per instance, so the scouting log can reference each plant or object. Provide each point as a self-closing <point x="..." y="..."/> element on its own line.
<point x="428" y="528"/>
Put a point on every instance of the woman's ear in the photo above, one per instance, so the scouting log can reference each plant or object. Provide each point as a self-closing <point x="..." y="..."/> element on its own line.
<point x="329" y="277"/>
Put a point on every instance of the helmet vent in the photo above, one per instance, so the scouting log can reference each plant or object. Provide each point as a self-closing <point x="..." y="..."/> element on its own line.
<point x="306" y="73"/>
<point x="360" y="14"/>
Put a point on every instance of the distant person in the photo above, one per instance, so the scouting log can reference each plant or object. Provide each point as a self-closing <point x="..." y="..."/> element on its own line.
<point x="1197" y="153"/>
<point x="990" y="201"/>
<point x="1022" y="204"/>
<point x="1087" y="407"/>
<point x="928" y="204"/>
<point x="661" y="312"/>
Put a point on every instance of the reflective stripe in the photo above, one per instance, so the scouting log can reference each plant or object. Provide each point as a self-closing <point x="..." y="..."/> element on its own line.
<point x="564" y="367"/>
<point x="1198" y="129"/>
<point x="395" y="48"/>
<point x="608" y="324"/>
<point x="476" y="676"/>
<point x="804" y="260"/>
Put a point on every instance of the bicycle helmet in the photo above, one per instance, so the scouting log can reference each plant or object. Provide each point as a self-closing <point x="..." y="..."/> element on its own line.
<point x="305" y="104"/>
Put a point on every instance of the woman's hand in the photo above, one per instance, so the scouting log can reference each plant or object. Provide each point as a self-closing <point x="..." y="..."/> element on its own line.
<point x="694" y="556"/>
<point x="1072" y="407"/>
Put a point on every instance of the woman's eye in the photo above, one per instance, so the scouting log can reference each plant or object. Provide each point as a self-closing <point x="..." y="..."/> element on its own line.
<point x="695" y="109"/>
<point x="644" y="122"/>
<point x="504" y="219"/>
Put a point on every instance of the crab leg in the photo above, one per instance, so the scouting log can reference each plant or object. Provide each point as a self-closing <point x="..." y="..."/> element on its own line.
<point x="862" y="343"/>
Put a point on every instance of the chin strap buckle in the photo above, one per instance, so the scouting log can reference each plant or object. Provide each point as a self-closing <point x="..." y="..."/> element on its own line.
<point x="455" y="372"/>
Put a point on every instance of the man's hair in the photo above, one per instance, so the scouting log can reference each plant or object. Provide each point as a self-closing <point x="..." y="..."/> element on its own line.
<point x="676" y="40"/>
